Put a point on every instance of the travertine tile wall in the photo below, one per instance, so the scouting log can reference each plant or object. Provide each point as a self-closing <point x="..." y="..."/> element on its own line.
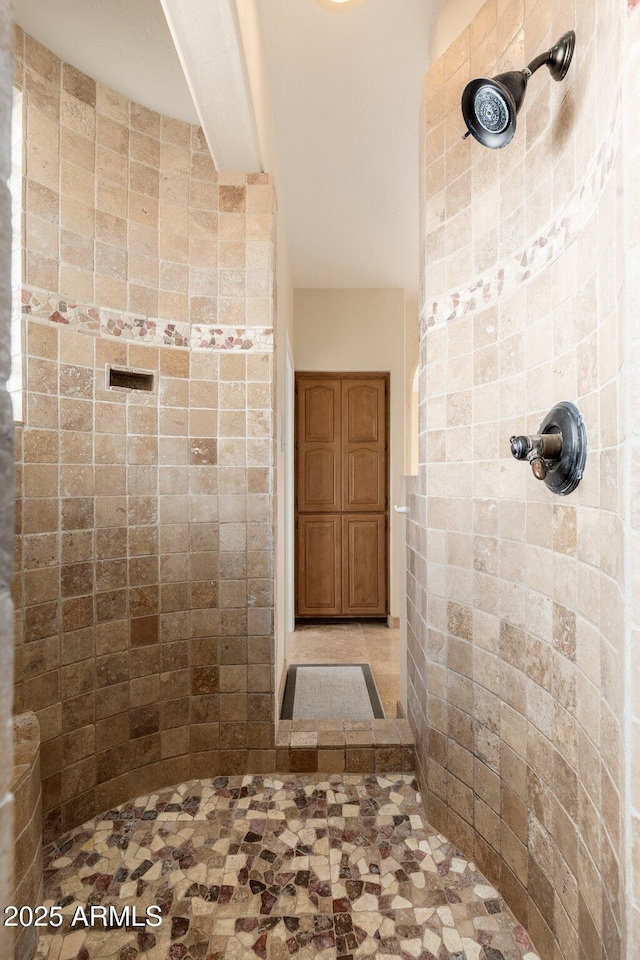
<point x="124" y="208"/>
<point x="6" y="485"/>
<point x="145" y="538"/>
<point x="516" y="597"/>
<point x="632" y="349"/>
<point x="26" y="787"/>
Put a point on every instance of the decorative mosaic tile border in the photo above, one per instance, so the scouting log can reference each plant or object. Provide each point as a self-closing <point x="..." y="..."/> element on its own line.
<point x="536" y="255"/>
<point x="118" y="325"/>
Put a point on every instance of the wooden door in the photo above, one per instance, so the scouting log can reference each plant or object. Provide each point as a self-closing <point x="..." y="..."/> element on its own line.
<point x="342" y="476"/>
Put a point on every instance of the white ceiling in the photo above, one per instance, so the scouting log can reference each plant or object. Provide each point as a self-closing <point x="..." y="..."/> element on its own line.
<point x="345" y="89"/>
<point x="125" y="44"/>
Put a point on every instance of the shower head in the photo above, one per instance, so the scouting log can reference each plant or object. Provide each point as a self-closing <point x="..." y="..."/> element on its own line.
<point x="490" y="106"/>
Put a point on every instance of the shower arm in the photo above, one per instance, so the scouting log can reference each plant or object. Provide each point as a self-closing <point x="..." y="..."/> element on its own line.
<point x="557" y="58"/>
<point x="540" y="61"/>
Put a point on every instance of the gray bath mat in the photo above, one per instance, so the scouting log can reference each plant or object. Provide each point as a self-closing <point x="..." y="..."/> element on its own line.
<point x="331" y="692"/>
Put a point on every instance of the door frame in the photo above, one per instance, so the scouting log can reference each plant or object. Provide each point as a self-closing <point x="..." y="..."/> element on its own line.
<point x="340" y="375"/>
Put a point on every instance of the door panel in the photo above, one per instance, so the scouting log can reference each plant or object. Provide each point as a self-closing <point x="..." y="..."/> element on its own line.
<point x="320" y="488"/>
<point x="362" y="412"/>
<point x="320" y="412"/>
<point x="362" y="480"/>
<point x="364" y="445"/>
<point x="319" y="445"/>
<point x="319" y="566"/>
<point x="364" y="565"/>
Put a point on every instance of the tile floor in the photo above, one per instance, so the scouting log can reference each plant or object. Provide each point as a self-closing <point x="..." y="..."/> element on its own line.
<point x="336" y="868"/>
<point x="370" y="643"/>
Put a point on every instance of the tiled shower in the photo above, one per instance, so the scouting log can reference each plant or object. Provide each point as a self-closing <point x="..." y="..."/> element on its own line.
<point x="143" y="582"/>
<point x="520" y="602"/>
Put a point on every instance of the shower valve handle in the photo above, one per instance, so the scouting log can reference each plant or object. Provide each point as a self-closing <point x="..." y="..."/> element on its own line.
<point x="538" y="449"/>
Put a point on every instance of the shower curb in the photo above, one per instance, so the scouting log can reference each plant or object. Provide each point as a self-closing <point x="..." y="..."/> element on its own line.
<point x="345" y="746"/>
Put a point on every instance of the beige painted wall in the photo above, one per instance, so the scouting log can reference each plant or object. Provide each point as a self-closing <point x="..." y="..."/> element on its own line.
<point x="353" y="330"/>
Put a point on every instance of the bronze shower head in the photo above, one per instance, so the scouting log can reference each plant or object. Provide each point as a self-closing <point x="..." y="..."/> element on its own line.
<point x="490" y="106"/>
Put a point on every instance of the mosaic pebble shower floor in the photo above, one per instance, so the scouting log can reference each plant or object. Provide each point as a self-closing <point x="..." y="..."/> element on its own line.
<point x="329" y="867"/>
